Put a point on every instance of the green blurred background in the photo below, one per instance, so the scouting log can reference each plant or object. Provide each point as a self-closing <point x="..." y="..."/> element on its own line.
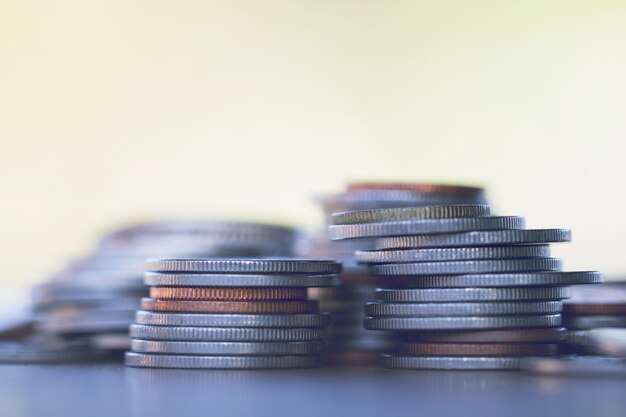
<point x="115" y="111"/>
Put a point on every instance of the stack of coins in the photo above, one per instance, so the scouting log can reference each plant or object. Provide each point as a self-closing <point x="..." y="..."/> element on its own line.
<point x="93" y="301"/>
<point x="231" y="314"/>
<point x="589" y="310"/>
<point x="350" y="343"/>
<point x="476" y="291"/>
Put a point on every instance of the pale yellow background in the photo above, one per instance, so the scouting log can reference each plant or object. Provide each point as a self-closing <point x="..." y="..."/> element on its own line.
<point x="112" y="111"/>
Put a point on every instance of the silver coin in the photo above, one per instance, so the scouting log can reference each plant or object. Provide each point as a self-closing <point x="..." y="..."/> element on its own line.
<point x="110" y="341"/>
<point x="444" y="323"/>
<point x="245" y="266"/>
<point x="438" y="295"/>
<point x="476" y="238"/>
<point x="219" y="334"/>
<point x="148" y="360"/>
<point x="32" y="352"/>
<point x="467" y="267"/>
<point x="593" y="322"/>
<point x="570" y="365"/>
<point x="411" y="213"/>
<point x="421" y="227"/>
<point x="232" y="320"/>
<point x="529" y="335"/>
<point x="555" y="278"/>
<point x="157" y="279"/>
<point x="451" y="363"/>
<point x="607" y="341"/>
<point x="463" y="309"/>
<point x="228" y="348"/>
<point x="86" y="324"/>
<point x="453" y="254"/>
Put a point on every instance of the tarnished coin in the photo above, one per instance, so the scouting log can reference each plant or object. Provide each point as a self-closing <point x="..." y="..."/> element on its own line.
<point x="411" y="213"/>
<point x="535" y="279"/>
<point x="245" y="307"/>
<point x="462" y="309"/>
<point x="148" y="360"/>
<point x="451" y="363"/>
<point x="245" y="266"/>
<point x="571" y="365"/>
<point x="421" y="227"/>
<point x="156" y="279"/>
<point x="228" y="348"/>
<point x="228" y="293"/>
<point x="232" y="320"/>
<point x="219" y="334"/>
<point x="478" y="349"/>
<point x="444" y="323"/>
<point x="476" y="238"/>
<point x="437" y="295"/>
<point x="452" y="254"/>
<point x="467" y="267"/>
<point x="608" y="341"/>
<point x="541" y="335"/>
<point x="605" y="299"/>
<point x="593" y="322"/>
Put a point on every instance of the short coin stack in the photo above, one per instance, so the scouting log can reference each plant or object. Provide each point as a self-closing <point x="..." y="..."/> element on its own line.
<point x="477" y="291"/>
<point x="231" y="314"/>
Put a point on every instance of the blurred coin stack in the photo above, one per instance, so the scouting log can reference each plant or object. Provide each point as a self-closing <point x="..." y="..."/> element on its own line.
<point x="93" y="301"/>
<point x="350" y="342"/>
<point x="595" y="318"/>
<point x="219" y="313"/>
<point x="469" y="291"/>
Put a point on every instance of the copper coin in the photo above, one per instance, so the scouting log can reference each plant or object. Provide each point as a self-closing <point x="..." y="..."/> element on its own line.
<point x="603" y="299"/>
<point x="352" y="358"/>
<point x="449" y="190"/>
<point x="228" y="293"/>
<point x="244" y="307"/>
<point x="537" y="335"/>
<point x="479" y="349"/>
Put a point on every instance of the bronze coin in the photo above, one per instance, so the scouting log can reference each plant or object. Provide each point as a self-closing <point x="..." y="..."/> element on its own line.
<point x="478" y="349"/>
<point x="352" y="358"/>
<point x="448" y="190"/>
<point x="539" y="335"/>
<point x="228" y="293"/>
<point x="234" y="307"/>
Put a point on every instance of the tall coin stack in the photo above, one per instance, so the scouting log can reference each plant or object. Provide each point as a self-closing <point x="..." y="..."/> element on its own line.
<point x="231" y="314"/>
<point x="476" y="291"/>
<point x="93" y="301"/>
<point x="350" y="343"/>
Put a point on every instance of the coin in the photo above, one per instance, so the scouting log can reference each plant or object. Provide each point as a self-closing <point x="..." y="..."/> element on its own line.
<point x="411" y="213"/>
<point x="605" y="299"/>
<point x="478" y="322"/>
<point x="239" y="280"/>
<point x="463" y="309"/>
<point x="453" y="254"/>
<point x="593" y="321"/>
<point x="147" y="360"/>
<point x="424" y="188"/>
<point x="232" y="320"/>
<point x="479" y="349"/>
<point x="33" y="352"/>
<point x="219" y="334"/>
<point x="260" y="307"/>
<point x="436" y="295"/>
<point x="467" y="267"/>
<point x="86" y="323"/>
<point x="608" y="341"/>
<point x="228" y="348"/>
<point x="541" y="335"/>
<point x="476" y="238"/>
<point x="242" y="266"/>
<point x="420" y="227"/>
<point x="450" y="363"/>
<point x="548" y="278"/>
<point x="569" y="365"/>
<point x="228" y="293"/>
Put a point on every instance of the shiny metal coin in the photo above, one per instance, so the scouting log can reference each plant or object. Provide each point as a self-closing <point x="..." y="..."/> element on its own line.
<point x="30" y="352"/>
<point x="572" y="365"/>
<point x="452" y="254"/>
<point x="476" y="238"/>
<point x="540" y="335"/>
<point x="229" y="348"/>
<point x="593" y="322"/>
<point x="446" y="323"/>
<point x="245" y="266"/>
<point x="535" y="279"/>
<point x="437" y="295"/>
<point x="147" y="360"/>
<point x="421" y="227"/>
<point x="462" y="309"/>
<point x="467" y="267"/>
<point x="411" y="213"/>
<point x="219" y="334"/>
<point x="110" y="341"/>
<point x="239" y="280"/>
<point x="232" y="320"/>
<point x="451" y="363"/>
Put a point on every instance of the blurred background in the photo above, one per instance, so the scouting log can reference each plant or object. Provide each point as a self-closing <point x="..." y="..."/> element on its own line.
<point x="113" y="112"/>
